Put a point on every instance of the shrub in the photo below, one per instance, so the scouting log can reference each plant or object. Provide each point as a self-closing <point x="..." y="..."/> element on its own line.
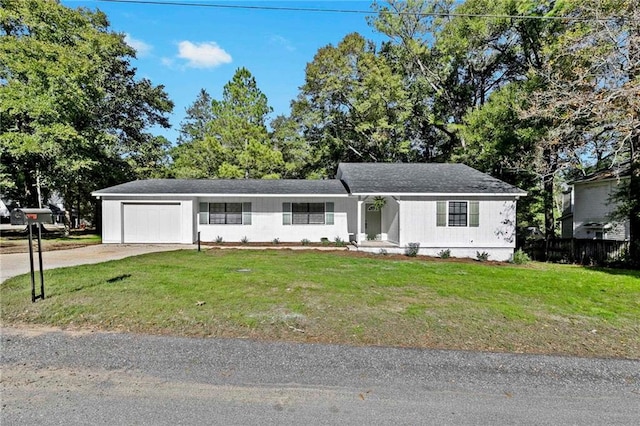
<point x="244" y="240"/>
<point x="305" y="242"/>
<point x="276" y="241"/>
<point x="412" y="249"/>
<point x="338" y="242"/>
<point x="444" y="254"/>
<point x="482" y="257"/>
<point x="324" y="241"/>
<point x="383" y="252"/>
<point x="520" y="257"/>
<point x="219" y="239"/>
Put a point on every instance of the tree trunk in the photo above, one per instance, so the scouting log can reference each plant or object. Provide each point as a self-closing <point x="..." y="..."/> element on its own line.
<point x="550" y="162"/>
<point x="634" y="181"/>
<point x="97" y="217"/>
<point x="634" y="194"/>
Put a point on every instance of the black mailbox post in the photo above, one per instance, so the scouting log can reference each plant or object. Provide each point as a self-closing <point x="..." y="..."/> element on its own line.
<point x="33" y="218"/>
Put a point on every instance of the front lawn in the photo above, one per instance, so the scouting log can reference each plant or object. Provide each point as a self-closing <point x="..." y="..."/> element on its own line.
<point x="19" y="243"/>
<point x="344" y="298"/>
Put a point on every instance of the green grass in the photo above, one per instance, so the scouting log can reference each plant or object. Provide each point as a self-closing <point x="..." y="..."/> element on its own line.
<point x="344" y="298"/>
<point x="50" y="241"/>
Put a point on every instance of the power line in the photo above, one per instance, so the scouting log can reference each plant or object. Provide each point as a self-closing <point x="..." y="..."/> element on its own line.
<point x="354" y="11"/>
<point x="235" y="6"/>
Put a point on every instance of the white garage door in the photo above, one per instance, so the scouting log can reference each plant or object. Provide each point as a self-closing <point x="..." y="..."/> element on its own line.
<point x="151" y="223"/>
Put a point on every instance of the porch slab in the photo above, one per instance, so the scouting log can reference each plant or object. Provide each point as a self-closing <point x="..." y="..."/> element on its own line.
<point x="377" y="244"/>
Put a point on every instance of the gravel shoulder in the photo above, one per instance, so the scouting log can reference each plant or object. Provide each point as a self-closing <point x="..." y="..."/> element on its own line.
<point x="52" y="376"/>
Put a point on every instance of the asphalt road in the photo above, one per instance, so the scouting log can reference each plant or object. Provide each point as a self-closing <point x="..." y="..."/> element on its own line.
<point x="64" y="378"/>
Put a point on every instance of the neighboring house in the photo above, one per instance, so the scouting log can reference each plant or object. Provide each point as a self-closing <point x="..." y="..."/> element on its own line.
<point x="587" y="205"/>
<point x="4" y="211"/>
<point x="374" y="205"/>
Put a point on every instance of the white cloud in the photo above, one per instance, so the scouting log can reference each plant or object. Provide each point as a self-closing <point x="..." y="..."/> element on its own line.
<point x="282" y="42"/>
<point x="141" y="48"/>
<point x="203" y="55"/>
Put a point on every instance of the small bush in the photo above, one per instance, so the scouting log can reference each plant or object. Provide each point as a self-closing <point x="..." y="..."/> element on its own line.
<point x="482" y="257"/>
<point x="324" y="241"/>
<point x="244" y="240"/>
<point x="412" y="249"/>
<point x="305" y="242"/>
<point x="383" y="252"/>
<point x="444" y="254"/>
<point x="520" y="257"/>
<point x="219" y="239"/>
<point x="276" y="241"/>
<point x="339" y="242"/>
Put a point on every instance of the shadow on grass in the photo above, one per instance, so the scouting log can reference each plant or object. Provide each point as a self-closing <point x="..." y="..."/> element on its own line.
<point x="109" y="281"/>
<point x="614" y="271"/>
<point x="118" y="278"/>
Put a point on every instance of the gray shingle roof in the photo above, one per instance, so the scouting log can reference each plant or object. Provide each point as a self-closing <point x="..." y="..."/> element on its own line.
<point x="227" y="186"/>
<point x="360" y="178"/>
<point x="420" y="178"/>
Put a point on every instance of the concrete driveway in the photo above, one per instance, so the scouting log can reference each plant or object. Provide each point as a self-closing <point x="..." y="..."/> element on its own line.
<point x="18" y="263"/>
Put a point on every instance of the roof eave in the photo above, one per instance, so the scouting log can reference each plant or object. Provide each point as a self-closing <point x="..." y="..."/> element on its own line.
<point x="443" y="194"/>
<point x="99" y="194"/>
<point x="598" y="179"/>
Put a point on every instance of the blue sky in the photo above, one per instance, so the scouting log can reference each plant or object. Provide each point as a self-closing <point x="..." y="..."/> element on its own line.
<point x="189" y="48"/>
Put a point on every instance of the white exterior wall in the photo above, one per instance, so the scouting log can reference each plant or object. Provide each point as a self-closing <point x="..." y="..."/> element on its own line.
<point x="112" y="217"/>
<point x="266" y="221"/>
<point x="391" y="220"/>
<point x="495" y="233"/>
<point x="591" y="204"/>
<point x="351" y="207"/>
<point x="404" y="220"/>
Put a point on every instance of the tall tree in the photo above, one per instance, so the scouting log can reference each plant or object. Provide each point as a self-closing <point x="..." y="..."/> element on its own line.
<point x="236" y="142"/>
<point x="351" y="106"/>
<point x="501" y="143"/>
<point x="73" y="117"/>
<point x="591" y="92"/>
<point x="199" y="114"/>
<point x="453" y="59"/>
<point x="296" y="153"/>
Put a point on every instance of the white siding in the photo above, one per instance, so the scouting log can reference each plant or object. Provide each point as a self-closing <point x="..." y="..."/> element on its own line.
<point x="266" y="221"/>
<point x="111" y="221"/>
<point x="495" y="234"/>
<point x="351" y="207"/>
<point x="592" y="205"/>
<point x="504" y="254"/>
<point x="391" y="219"/>
<point x="404" y="220"/>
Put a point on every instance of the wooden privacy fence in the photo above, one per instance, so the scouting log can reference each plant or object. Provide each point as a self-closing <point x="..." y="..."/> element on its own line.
<point x="581" y="251"/>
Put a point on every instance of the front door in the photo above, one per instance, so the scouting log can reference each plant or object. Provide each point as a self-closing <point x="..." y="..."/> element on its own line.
<point x="372" y="222"/>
